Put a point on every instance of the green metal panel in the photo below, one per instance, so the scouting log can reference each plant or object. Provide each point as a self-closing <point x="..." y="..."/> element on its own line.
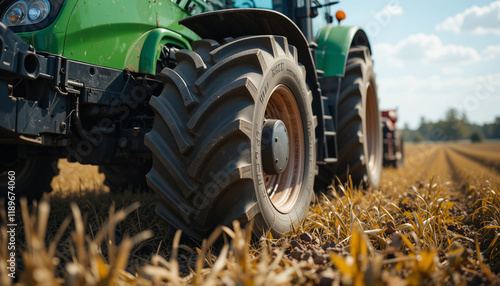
<point x="154" y="43"/>
<point x="115" y="33"/>
<point x="333" y="48"/>
<point x="51" y="39"/>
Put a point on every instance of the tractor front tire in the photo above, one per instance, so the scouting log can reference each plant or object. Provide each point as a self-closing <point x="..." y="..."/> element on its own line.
<point x="359" y="125"/>
<point x="226" y="110"/>
<point x="32" y="176"/>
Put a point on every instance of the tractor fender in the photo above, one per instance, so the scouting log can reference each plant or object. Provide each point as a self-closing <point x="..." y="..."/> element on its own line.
<point x="146" y="50"/>
<point x="221" y="24"/>
<point x="333" y="48"/>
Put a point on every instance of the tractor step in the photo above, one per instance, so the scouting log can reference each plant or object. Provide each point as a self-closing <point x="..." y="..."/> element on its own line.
<point x="330" y="160"/>
<point x="330" y="133"/>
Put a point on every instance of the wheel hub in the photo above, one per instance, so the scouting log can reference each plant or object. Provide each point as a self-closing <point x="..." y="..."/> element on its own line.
<point x="275" y="147"/>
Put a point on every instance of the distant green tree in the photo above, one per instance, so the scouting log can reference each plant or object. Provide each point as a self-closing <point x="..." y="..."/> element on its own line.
<point x="454" y="125"/>
<point x="407" y="133"/>
<point x="441" y="131"/>
<point x="477" y="136"/>
<point x="451" y="115"/>
<point x="417" y="137"/>
<point x="488" y="130"/>
<point x="425" y="128"/>
<point x="495" y="128"/>
<point x="462" y="127"/>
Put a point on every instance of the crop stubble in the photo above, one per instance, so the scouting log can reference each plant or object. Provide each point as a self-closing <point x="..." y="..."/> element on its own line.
<point x="463" y="176"/>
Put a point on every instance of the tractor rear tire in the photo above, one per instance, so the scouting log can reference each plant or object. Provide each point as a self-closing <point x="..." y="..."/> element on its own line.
<point x="33" y="176"/>
<point x="207" y="139"/>
<point x="359" y="125"/>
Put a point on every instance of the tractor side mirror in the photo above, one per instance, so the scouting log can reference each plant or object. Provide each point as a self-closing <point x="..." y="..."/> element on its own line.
<point x="329" y="18"/>
<point x="314" y="12"/>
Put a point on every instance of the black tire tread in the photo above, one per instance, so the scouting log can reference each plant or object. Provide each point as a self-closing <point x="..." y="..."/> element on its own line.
<point x="351" y="161"/>
<point x="205" y="143"/>
<point x="351" y="153"/>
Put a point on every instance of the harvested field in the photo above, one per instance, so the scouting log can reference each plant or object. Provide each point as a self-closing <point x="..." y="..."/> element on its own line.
<point x="434" y="221"/>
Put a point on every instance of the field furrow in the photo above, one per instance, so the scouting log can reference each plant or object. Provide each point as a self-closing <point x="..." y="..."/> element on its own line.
<point x="468" y="170"/>
<point x="494" y="147"/>
<point x="419" y="227"/>
<point x="421" y="164"/>
<point x="489" y="158"/>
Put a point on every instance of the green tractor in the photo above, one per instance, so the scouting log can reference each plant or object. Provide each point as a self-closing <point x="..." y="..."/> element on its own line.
<point x="226" y="110"/>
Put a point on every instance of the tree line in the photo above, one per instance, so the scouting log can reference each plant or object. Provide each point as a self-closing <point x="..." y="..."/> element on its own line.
<point x="453" y="127"/>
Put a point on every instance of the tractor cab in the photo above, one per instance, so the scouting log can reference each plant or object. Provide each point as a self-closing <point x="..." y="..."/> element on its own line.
<point x="301" y="12"/>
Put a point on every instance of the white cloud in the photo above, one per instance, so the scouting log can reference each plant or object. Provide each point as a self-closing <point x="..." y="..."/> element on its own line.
<point x="453" y="70"/>
<point x="427" y="49"/>
<point x="491" y="53"/>
<point x="477" y="20"/>
<point x="381" y="19"/>
<point x="393" y="10"/>
<point x="425" y="86"/>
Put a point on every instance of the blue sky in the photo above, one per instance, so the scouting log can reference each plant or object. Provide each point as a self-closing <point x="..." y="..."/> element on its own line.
<point x="433" y="55"/>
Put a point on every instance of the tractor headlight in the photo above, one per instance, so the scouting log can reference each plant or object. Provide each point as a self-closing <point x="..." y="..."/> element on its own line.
<point x="15" y="14"/>
<point x="38" y="10"/>
<point x="26" y="12"/>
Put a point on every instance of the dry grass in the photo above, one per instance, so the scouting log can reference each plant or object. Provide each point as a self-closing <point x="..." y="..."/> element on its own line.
<point x="435" y="221"/>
